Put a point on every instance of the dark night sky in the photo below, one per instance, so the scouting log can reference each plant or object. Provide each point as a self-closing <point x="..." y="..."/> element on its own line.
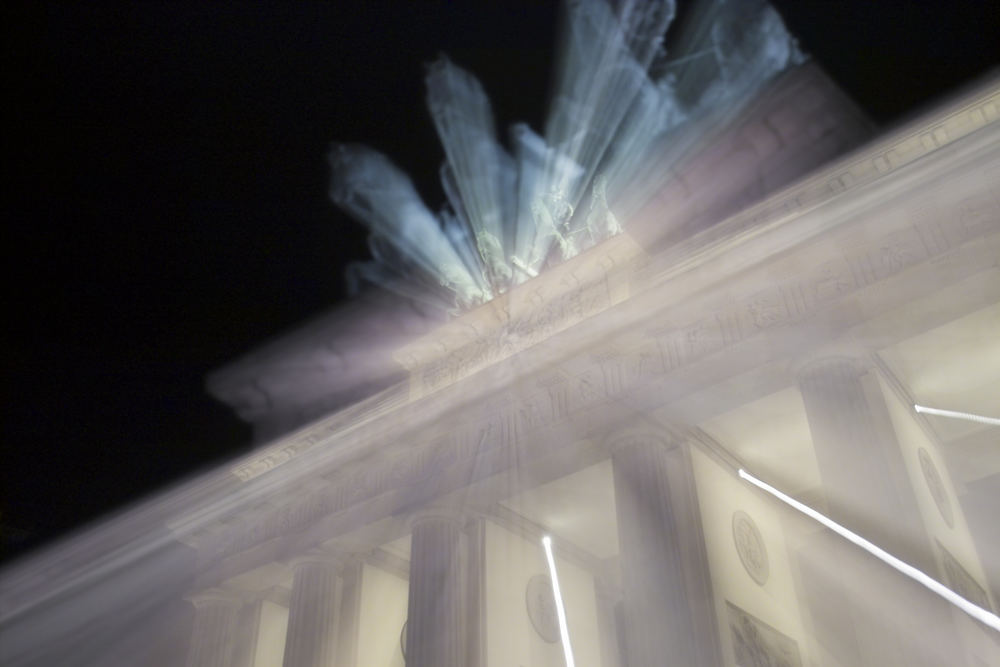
<point x="166" y="196"/>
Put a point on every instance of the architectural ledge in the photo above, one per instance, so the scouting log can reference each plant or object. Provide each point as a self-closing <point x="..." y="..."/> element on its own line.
<point x="287" y="447"/>
<point x="843" y="179"/>
<point x="563" y="296"/>
<point x="619" y="274"/>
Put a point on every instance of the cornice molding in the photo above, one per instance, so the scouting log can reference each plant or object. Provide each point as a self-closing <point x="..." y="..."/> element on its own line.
<point x="582" y="287"/>
<point x="215" y="596"/>
<point x="608" y="274"/>
<point x="688" y="329"/>
<point x="643" y="357"/>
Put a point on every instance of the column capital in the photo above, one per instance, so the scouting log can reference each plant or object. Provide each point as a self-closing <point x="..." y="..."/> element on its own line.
<point x="839" y="364"/>
<point x="347" y="554"/>
<point x="443" y="513"/>
<point x="215" y="596"/>
<point x="332" y="559"/>
<point x="312" y="610"/>
<point x="214" y="631"/>
<point x="623" y="438"/>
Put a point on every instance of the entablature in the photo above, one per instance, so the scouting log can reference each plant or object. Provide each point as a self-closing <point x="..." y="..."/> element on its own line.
<point x="824" y="261"/>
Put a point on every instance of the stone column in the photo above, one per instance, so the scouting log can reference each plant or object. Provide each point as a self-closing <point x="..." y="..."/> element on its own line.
<point x="213" y="636"/>
<point x="312" y="613"/>
<point x="350" y="612"/>
<point x="475" y="576"/>
<point x="435" y="631"/>
<point x="667" y="595"/>
<point x="247" y="632"/>
<point x="607" y="625"/>
<point x="864" y="478"/>
<point x="864" y="612"/>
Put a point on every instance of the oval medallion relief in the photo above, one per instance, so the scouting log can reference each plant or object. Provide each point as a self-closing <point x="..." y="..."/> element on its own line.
<point x="541" y="603"/>
<point x="750" y="547"/>
<point x="402" y="639"/>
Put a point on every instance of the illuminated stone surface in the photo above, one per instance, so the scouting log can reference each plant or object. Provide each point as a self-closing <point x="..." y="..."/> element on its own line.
<point x="512" y="414"/>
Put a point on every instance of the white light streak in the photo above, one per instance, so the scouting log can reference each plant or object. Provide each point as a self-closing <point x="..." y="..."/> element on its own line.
<point x="973" y="610"/>
<point x="968" y="416"/>
<point x="560" y="610"/>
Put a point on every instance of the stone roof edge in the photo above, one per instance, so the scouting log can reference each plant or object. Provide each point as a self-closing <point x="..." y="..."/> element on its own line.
<point x="963" y="115"/>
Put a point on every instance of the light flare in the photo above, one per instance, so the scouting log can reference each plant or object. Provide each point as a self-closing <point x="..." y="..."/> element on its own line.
<point x="560" y="609"/>
<point x="967" y="416"/>
<point x="975" y="611"/>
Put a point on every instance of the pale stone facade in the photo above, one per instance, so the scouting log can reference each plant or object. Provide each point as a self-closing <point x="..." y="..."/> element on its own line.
<point x="608" y="404"/>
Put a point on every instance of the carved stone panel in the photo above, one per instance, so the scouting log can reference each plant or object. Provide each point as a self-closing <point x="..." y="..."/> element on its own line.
<point x="960" y="581"/>
<point x="757" y="644"/>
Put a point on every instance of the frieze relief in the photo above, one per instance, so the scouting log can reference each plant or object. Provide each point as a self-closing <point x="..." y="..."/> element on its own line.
<point x="554" y="400"/>
<point x="568" y="294"/>
<point x="638" y="357"/>
<point x="487" y="436"/>
<point x="662" y="349"/>
<point x="800" y="297"/>
<point x="651" y="354"/>
<point x="931" y="234"/>
<point x="878" y="163"/>
<point x="336" y="425"/>
<point x="505" y="424"/>
<point x="889" y="157"/>
<point x="516" y="334"/>
<point x="832" y="280"/>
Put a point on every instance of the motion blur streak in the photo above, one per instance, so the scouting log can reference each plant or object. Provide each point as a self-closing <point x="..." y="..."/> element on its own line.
<point x="993" y="421"/>
<point x="560" y="609"/>
<point x="972" y="610"/>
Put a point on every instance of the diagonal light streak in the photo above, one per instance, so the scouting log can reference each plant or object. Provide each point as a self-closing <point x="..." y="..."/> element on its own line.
<point x="560" y="610"/>
<point x="968" y="416"/>
<point x="973" y="610"/>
